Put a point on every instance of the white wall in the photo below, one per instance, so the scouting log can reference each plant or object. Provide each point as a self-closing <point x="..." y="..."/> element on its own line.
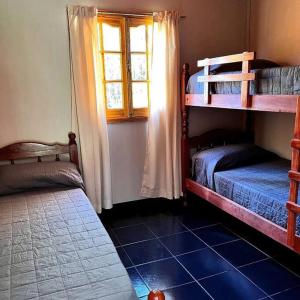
<point x="34" y="73"/>
<point x="275" y="35"/>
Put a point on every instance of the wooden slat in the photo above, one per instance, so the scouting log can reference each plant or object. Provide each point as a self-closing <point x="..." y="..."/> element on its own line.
<point x="294" y="185"/>
<point x="31" y="150"/>
<point x="294" y="175"/>
<point x="272" y="103"/>
<point x="245" y="98"/>
<point x="293" y="207"/>
<point x="226" y="77"/>
<point x="261" y="224"/>
<point x="206" y="87"/>
<point x="295" y="143"/>
<point x="24" y="150"/>
<point x="226" y="59"/>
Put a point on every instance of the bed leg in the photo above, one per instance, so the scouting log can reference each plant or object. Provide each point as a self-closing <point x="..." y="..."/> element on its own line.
<point x="184" y="199"/>
<point x="156" y="295"/>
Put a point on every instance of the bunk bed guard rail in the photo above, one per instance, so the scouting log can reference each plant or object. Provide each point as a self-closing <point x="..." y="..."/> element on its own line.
<point x="245" y="76"/>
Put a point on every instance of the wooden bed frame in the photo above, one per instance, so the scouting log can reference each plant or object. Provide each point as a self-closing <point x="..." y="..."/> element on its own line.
<point x="246" y="102"/>
<point x="34" y="149"/>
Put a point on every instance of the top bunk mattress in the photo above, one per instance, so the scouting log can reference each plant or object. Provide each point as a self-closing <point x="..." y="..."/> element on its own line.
<point x="53" y="246"/>
<point x="270" y="81"/>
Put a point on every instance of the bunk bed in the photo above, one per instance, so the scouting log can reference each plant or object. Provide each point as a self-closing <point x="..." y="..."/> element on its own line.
<point x="262" y="193"/>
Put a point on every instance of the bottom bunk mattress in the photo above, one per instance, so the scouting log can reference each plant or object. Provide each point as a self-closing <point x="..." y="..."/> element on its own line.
<point x="262" y="188"/>
<point x="53" y="246"/>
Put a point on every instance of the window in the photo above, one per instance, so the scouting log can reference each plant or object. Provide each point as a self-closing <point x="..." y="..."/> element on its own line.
<point x="125" y="49"/>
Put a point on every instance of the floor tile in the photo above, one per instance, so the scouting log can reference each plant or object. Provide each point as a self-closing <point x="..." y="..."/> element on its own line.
<point x="191" y="291"/>
<point x="214" y="235"/>
<point x="270" y="276"/>
<point x="194" y="221"/>
<point x="124" y="257"/>
<point x="113" y="237"/>
<point x="122" y="222"/>
<point x="165" y="226"/>
<point x="182" y="242"/>
<point x="139" y="285"/>
<point x="291" y="294"/>
<point x="131" y="234"/>
<point x="164" y="274"/>
<point x="240" y="253"/>
<point x="203" y="263"/>
<point x="146" y="251"/>
<point x="231" y="285"/>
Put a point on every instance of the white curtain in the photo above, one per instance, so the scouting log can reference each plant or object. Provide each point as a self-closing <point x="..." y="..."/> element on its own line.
<point x="162" y="171"/>
<point x="88" y="108"/>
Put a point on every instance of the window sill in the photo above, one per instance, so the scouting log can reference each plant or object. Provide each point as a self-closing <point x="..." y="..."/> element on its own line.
<point x="130" y="119"/>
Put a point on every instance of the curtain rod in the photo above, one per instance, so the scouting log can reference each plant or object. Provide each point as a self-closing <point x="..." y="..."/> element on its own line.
<point x="103" y="12"/>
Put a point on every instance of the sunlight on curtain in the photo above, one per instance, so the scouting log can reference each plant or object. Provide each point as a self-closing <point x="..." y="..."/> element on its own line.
<point x="88" y="107"/>
<point x="162" y="171"/>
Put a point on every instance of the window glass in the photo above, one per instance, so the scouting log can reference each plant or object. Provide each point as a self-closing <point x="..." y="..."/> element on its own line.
<point x="138" y="67"/>
<point x="112" y="66"/>
<point x="140" y="94"/>
<point x="138" y="38"/>
<point x="114" y="95"/>
<point x="111" y="37"/>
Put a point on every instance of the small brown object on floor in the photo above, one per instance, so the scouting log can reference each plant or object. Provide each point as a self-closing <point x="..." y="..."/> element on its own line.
<point x="156" y="295"/>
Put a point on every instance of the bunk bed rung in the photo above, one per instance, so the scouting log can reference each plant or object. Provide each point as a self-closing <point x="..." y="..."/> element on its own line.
<point x="245" y="56"/>
<point x="294" y="207"/>
<point x="227" y="77"/>
<point x="295" y="143"/>
<point x="294" y="175"/>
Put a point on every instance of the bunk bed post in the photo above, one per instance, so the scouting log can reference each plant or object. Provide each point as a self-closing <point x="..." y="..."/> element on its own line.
<point x="245" y="97"/>
<point x="206" y="86"/>
<point x="294" y="175"/>
<point x="184" y="130"/>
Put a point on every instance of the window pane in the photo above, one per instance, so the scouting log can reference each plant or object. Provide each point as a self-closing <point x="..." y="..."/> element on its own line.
<point x="138" y="38"/>
<point x="140" y="94"/>
<point x="138" y="67"/>
<point x="114" y="95"/>
<point x="111" y="37"/>
<point x="112" y="66"/>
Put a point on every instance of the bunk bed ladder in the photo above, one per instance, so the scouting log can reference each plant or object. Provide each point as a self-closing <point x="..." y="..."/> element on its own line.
<point x="294" y="175"/>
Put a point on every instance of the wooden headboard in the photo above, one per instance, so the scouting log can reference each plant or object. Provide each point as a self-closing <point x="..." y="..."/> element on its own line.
<point x="33" y="149"/>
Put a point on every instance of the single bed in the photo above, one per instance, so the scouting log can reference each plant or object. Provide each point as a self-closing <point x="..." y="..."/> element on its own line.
<point x="52" y="243"/>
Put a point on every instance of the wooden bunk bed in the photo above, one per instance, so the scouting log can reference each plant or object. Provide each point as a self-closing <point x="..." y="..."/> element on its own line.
<point x="246" y="102"/>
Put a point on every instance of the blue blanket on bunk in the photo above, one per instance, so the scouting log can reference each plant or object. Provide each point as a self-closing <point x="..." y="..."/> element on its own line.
<point x="209" y="161"/>
<point x="271" y="81"/>
<point x="262" y="188"/>
<point x="248" y="175"/>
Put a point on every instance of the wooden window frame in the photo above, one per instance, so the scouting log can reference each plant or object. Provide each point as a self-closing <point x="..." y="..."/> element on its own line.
<point x="128" y="112"/>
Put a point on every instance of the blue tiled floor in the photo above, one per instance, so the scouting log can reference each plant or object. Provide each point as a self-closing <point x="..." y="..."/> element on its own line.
<point x="192" y="256"/>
